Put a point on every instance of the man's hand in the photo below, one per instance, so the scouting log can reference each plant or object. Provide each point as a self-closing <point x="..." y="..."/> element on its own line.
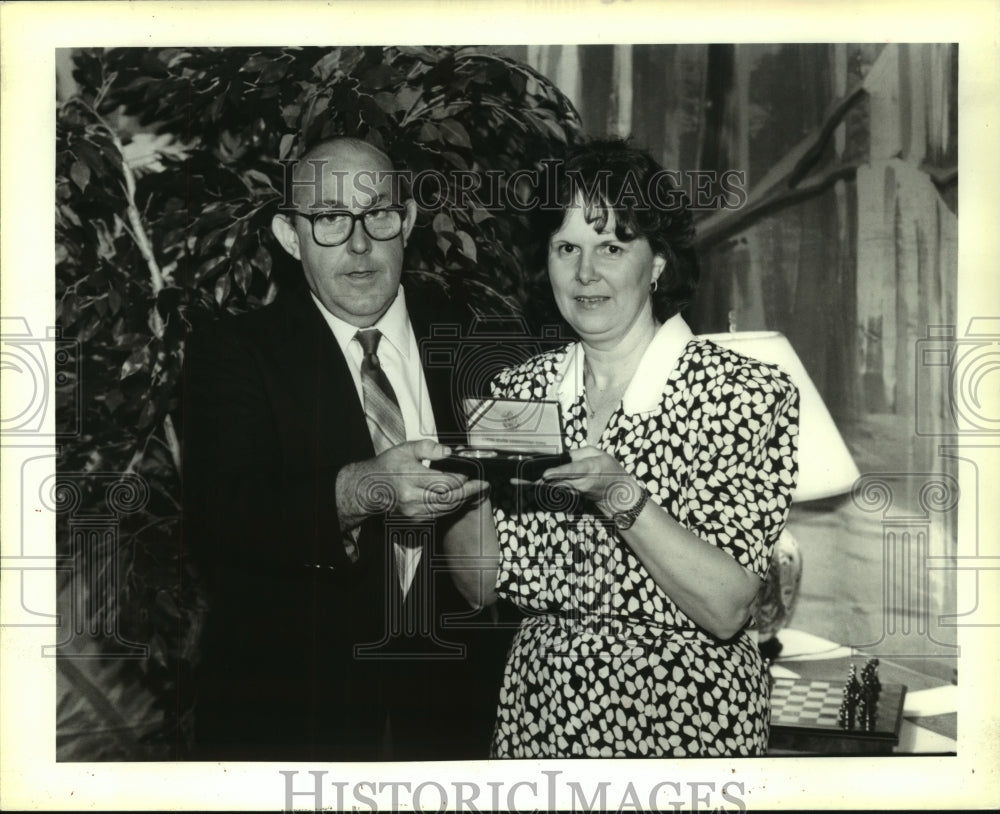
<point x="398" y="481"/>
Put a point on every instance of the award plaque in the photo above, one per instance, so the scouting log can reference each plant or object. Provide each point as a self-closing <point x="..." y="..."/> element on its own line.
<point x="508" y="438"/>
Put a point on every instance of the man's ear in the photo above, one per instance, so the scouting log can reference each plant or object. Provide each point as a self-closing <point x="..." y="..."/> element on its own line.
<point x="659" y="264"/>
<point x="283" y="230"/>
<point x="409" y="218"/>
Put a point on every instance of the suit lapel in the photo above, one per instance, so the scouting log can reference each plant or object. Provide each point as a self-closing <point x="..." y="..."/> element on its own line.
<point x="448" y="416"/>
<point x="323" y="427"/>
<point x="334" y="424"/>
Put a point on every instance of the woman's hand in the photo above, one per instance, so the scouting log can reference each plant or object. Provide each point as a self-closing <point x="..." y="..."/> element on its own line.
<point x="596" y="475"/>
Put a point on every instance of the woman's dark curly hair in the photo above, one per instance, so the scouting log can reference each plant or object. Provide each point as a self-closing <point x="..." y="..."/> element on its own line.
<point x="610" y="175"/>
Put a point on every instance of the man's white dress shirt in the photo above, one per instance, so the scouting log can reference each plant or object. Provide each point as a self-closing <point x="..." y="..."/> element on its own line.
<point x="399" y="356"/>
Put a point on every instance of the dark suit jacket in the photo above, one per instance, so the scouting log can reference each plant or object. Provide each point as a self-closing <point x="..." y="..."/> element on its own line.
<point x="271" y="416"/>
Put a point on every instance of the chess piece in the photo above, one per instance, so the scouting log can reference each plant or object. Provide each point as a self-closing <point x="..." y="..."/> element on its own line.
<point x="845" y="717"/>
<point x="769" y="674"/>
<point x="855" y="690"/>
<point x="864" y="711"/>
<point x="871" y="689"/>
<point x="869" y="677"/>
<point x="851" y="704"/>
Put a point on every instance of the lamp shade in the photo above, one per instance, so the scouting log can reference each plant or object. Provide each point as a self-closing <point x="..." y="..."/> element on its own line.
<point x="825" y="464"/>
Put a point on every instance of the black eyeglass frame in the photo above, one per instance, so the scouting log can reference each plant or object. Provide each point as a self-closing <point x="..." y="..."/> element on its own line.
<point x="360" y="216"/>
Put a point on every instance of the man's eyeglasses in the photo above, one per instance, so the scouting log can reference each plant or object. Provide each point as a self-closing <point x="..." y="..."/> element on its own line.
<point x="335" y="227"/>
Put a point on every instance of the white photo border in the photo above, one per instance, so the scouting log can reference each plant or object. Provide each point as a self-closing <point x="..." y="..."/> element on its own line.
<point x="30" y="779"/>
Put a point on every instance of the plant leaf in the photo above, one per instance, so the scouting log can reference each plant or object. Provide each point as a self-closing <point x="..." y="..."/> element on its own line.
<point x="80" y="173"/>
<point x="138" y="361"/>
<point x="443" y="223"/>
<point x="454" y="133"/>
<point x="262" y="259"/>
<point x="242" y="274"/>
<point x="222" y="288"/>
<point x="166" y="603"/>
<point x="287" y="141"/>
<point x="468" y="245"/>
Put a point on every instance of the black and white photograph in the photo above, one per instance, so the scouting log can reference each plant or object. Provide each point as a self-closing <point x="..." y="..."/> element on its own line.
<point x="430" y="412"/>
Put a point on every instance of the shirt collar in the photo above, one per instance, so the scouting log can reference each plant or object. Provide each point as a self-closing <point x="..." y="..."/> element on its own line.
<point x="645" y="391"/>
<point x="394" y="325"/>
<point x="568" y="382"/>
<point x="646" y="388"/>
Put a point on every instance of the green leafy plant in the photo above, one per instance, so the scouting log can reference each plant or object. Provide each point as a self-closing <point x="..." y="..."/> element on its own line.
<point x="169" y="169"/>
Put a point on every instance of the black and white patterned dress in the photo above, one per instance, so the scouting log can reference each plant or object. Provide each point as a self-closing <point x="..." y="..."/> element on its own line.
<point x="604" y="664"/>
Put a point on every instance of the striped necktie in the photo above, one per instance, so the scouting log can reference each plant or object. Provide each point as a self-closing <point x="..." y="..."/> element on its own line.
<point x="385" y="422"/>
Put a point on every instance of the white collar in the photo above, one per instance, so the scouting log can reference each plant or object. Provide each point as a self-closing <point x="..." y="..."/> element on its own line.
<point x="568" y="382"/>
<point x="394" y="325"/>
<point x="645" y="391"/>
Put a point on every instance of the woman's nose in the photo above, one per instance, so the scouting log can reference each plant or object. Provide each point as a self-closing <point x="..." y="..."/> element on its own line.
<point x="586" y="273"/>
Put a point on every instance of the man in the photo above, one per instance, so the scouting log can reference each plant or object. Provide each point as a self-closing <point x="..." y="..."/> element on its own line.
<point x="324" y="639"/>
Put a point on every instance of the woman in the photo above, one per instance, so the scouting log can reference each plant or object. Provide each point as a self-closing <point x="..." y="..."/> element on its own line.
<point x="637" y="563"/>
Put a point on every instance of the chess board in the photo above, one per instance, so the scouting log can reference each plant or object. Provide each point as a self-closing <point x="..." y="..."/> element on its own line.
<point x="804" y="715"/>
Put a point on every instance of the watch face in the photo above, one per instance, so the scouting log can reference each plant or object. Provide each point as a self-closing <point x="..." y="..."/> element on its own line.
<point x="624" y="520"/>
